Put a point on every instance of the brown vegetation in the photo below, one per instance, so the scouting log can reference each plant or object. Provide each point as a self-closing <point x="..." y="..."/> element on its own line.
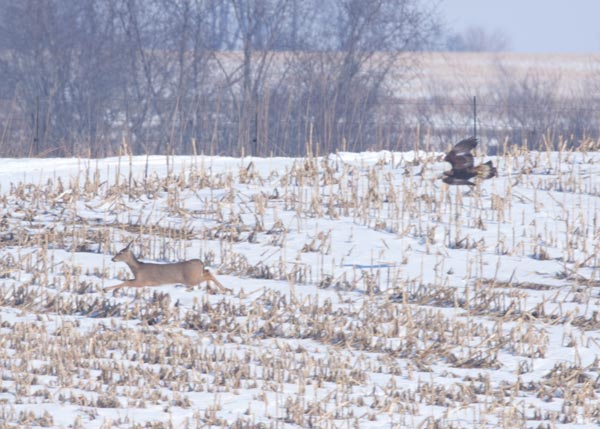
<point x="310" y="338"/>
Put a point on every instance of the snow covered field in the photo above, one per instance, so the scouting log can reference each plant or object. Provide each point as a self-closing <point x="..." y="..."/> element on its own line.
<point x="365" y="293"/>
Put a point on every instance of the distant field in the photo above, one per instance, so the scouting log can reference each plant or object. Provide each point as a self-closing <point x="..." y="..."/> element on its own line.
<point x="472" y="73"/>
<point x="460" y="74"/>
<point x="365" y="293"/>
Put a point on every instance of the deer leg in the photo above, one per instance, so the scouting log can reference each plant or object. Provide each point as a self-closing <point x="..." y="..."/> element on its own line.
<point x="126" y="283"/>
<point x="209" y="277"/>
<point x="115" y="287"/>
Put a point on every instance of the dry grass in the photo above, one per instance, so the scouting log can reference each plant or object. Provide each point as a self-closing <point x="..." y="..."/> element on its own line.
<point x="316" y="335"/>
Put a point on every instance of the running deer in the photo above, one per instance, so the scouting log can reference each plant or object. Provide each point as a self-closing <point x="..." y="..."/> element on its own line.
<point x="189" y="273"/>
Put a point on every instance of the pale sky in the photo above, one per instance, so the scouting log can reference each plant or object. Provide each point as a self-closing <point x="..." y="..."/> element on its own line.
<point x="531" y="25"/>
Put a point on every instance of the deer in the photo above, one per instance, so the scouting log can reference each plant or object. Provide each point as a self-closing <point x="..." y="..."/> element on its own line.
<point x="190" y="273"/>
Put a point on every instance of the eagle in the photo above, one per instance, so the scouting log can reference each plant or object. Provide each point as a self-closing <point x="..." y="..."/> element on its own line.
<point x="463" y="168"/>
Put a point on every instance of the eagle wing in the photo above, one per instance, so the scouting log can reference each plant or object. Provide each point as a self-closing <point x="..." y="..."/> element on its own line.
<point x="460" y="157"/>
<point x="465" y="146"/>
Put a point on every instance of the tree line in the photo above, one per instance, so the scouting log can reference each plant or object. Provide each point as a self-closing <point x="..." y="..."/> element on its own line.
<point x="262" y="77"/>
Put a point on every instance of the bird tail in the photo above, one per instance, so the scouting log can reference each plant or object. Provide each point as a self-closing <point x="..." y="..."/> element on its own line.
<point x="486" y="170"/>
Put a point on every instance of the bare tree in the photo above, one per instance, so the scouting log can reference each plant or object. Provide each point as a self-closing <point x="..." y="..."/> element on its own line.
<point x="158" y="74"/>
<point x="528" y="103"/>
<point x="218" y="20"/>
<point x="186" y="58"/>
<point x="63" y="84"/>
<point x="342" y="84"/>
<point x="260" y="27"/>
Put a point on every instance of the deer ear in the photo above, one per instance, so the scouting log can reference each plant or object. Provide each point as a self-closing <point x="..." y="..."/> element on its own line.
<point x="129" y="245"/>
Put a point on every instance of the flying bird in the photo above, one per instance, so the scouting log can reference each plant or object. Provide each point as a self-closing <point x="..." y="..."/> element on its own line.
<point x="463" y="168"/>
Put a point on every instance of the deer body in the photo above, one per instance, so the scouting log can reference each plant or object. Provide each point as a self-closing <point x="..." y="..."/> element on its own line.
<point x="190" y="273"/>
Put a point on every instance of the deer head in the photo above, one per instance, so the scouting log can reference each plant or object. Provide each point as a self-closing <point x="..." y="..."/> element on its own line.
<point x="124" y="254"/>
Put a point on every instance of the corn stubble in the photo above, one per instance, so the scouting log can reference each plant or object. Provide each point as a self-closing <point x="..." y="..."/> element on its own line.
<point x="322" y="341"/>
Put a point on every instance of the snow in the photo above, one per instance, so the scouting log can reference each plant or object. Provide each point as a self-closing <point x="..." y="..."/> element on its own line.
<point x="365" y="292"/>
